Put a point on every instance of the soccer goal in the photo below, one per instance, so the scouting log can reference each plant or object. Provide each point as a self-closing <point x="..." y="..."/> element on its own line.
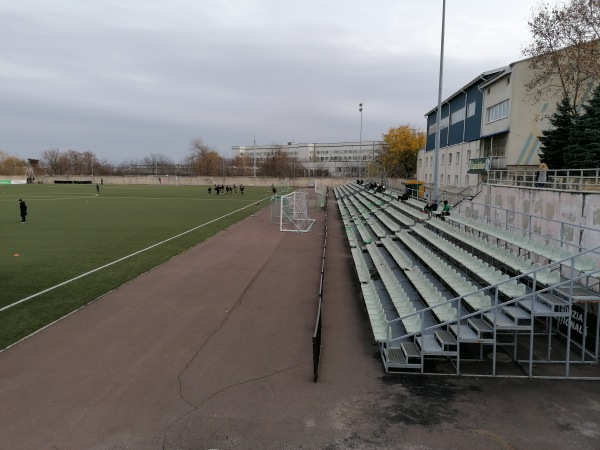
<point x="293" y="213"/>
<point x="320" y="195"/>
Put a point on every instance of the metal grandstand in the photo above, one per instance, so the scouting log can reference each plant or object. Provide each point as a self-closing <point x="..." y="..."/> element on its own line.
<point x="471" y="297"/>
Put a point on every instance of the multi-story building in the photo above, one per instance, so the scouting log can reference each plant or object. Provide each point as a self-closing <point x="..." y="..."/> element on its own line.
<point x="488" y="124"/>
<point x="339" y="159"/>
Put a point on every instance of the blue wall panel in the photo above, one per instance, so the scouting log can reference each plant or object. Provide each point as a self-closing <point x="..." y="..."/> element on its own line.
<point x="465" y="130"/>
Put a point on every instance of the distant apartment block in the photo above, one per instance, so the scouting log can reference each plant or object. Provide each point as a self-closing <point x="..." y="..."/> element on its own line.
<point x="338" y="159"/>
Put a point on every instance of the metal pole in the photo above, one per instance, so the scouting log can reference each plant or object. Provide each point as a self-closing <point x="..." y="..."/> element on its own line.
<point x="438" y="121"/>
<point x="254" y="154"/>
<point x="360" y="143"/>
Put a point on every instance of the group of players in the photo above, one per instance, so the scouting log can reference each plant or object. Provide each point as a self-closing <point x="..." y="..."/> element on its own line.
<point x="228" y="190"/>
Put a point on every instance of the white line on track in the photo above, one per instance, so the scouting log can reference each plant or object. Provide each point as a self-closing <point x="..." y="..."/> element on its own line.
<point x="124" y="258"/>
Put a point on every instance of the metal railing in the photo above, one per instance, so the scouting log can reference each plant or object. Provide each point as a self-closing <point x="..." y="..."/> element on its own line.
<point x="525" y="224"/>
<point x="567" y="179"/>
<point x="316" y="338"/>
<point x="586" y="339"/>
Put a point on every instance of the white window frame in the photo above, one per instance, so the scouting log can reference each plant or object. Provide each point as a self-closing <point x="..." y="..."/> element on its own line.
<point x="497" y="112"/>
<point x="471" y="109"/>
<point x="457" y="116"/>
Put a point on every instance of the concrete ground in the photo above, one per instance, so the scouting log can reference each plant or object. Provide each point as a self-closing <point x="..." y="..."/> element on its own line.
<point x="212" y="350"/>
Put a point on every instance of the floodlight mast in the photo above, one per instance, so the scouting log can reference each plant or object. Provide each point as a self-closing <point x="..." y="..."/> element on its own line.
<point x="438" y="120"/>
<point x="254" y="155"/>
<point x="360" y="155"/>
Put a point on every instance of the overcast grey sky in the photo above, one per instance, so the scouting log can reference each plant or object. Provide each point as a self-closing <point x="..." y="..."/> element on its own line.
<point x="128" y="78"/>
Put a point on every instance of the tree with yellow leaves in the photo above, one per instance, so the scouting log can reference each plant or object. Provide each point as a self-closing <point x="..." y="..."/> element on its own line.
<point x="399" y="153"/>
<point x="11" y="165"/>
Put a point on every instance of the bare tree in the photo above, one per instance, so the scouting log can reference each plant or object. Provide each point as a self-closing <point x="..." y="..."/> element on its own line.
<point x="206" y="161"/>
<point x="565" y="50"/>
<point x="242" y="164"/>
<point x="11" y="165"/>
<point x="158" y="164"/>
<point x="51" y="161"/>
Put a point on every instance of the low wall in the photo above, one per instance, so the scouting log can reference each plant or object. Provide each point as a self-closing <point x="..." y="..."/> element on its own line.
<point x="190" y="181"/>
<point x="567" y="216"/>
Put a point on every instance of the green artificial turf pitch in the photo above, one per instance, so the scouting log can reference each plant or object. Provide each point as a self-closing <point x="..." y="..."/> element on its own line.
<point x="71" y="231"/>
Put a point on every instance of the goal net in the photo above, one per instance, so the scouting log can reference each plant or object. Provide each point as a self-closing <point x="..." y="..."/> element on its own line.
<point x="320" y="195"/>
<point x="294" y="213"/>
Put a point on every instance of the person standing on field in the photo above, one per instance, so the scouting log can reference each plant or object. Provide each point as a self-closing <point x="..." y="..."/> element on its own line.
<point x="23" y="208"/>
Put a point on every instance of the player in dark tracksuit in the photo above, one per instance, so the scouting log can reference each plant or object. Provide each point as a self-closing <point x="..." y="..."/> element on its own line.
<point x="23" y="208"/>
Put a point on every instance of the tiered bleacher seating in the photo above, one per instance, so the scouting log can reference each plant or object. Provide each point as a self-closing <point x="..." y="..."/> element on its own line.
<point x="483" y="270"/>
<point x="550" y="252"/>
<point x="430" y="285"/>
<point x="400" y="299"/>
<point x="377" y="316"/>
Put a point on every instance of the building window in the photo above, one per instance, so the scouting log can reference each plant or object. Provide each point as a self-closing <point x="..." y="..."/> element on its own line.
<point x="498" y="111"/>
<point x="448" y="180"/>
<point x="456" y="180"/>
<point x="443" y="159"/>
<point x="457" y="116"/>
<point x="457" y="157"/>
<point x="471" y="109"/>
<point x="449" y="158"/>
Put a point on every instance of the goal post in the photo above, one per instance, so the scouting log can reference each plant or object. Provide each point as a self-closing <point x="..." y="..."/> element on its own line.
<point x="320" y="195"/>
<point x="294" y="212"/>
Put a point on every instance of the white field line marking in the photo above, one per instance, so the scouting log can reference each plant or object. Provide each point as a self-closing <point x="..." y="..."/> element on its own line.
<point x="49" y="198"/>
<point x="122" y="259"/>
<point x="88" y="196"/>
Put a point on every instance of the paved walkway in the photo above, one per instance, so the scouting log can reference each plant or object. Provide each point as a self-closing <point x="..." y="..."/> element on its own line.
<point x="213" y="350"/>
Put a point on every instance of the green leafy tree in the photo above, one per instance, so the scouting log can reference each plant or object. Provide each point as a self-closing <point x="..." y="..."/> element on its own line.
<point x="584" y="150"/>
<point x="556" y="139"/>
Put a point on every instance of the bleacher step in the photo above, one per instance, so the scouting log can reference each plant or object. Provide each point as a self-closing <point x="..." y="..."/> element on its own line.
<point x="518" y="315"/>
<point x="397" y="360"/>
<point x="466" y="333"/>
<point x="410" y="350"/>
<point x="555" y="303"/>
<point x="481" y="327"/>
<point x="536" y="308"/>
<point x="445" y="338"/>
<point x="431" y="346"/>
<point x="504" y="322"/>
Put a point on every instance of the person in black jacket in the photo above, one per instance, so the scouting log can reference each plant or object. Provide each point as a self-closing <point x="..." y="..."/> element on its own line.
<point x="23" y="208"/>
